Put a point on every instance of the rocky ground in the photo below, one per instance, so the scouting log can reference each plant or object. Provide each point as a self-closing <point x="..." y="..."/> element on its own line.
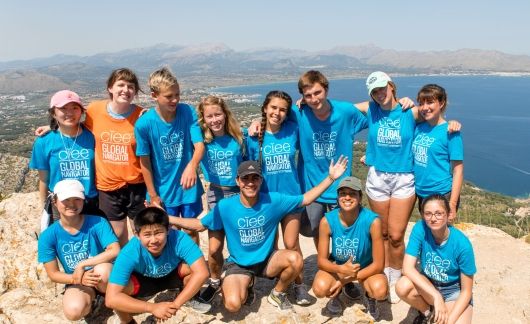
<point x="501" y="291"/>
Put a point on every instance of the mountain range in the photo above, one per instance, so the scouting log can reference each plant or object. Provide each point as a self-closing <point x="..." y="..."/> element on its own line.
<point x="217" y="65"/>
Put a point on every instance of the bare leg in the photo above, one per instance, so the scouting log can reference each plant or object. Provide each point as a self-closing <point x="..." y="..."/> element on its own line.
<point x="465" y="317"/>
<point x="376" y="286"/>
<point x="285" y="265"/>
<point x="399" y="215"/>
<point x="326" y="284"/>
<point x="216" y="241"/>
<point x="77" y="301"/>
<point x="234" y="289"/>
<point x="382" y="209"/>
<point x="120" y="229"/>
<point x="406" y="290"/>
<point x="291" y="233"/>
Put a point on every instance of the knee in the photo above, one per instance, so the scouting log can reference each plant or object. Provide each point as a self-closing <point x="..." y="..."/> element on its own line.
<point x="295" y="261"/>
<point x="403" y="287"/>
<point x="320" y="289"/>
<point x="232" y="303"/>
<point x="396" y="239"/>
<point x="379" y="289"/>
<point x="75" y="310"/>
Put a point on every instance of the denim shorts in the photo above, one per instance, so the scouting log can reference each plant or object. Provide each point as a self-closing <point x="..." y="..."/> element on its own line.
<point x="450" y="291"/>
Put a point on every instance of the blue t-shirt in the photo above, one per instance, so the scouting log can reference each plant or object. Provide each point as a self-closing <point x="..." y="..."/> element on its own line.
<point x="221" y="159"/>
<point x="65" y="157"/>
<point x="134" y="257"/>
<point x="92" y="239"/>
<point x="354" y="241"/>
<point x="250" y="232"/>
<point x="434" y="149"/>
<point x="390" y="134"/>
<point x="278" y="165"/>
<point x="442" y="263"/>
<point x="322" y="141"/>
<point x="170" y="148"/>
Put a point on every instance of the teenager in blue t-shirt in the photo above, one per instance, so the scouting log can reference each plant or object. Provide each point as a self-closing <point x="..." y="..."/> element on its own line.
<point x="224" y="141"/>
<point x="277" y="147"/>
<point x="438" y="155"/>
<point x="447" y="265"/>
<point x="357" y="250"/>
<point x="156" y="259"/>
<point x="390" y="179"/>
<point x="85" y="245"/>
<point x="250" y="221"/>
<point x="67" y="152"/>
<point x="170" y="146"/>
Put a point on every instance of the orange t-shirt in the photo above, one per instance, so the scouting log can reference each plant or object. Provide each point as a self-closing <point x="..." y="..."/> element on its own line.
<point x="115" y="153"/>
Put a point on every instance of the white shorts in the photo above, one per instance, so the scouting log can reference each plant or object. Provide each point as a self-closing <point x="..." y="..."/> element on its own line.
<point x="381" y="186"/>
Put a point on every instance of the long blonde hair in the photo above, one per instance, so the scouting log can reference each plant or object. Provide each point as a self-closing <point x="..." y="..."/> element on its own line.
<point x="231" y="126"/>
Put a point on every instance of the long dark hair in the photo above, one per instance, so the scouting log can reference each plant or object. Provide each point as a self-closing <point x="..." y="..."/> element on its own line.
<point x="271" y="95"/>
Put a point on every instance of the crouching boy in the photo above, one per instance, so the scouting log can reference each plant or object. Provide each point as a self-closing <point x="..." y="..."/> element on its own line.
<point x="156" y="259"/>
<point x="84" y="244"/>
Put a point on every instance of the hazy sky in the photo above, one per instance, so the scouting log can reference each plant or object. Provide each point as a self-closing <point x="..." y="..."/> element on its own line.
<point x="37" y="28"/>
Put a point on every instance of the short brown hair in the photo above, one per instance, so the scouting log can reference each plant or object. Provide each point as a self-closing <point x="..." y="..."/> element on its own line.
<point x="311" y="77"/>
<point x="124" y="74"/>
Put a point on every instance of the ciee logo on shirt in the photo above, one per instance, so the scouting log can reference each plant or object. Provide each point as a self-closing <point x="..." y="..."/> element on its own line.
<point x="436" y="267"/>
<point x="251" y="230"/>
<point x="424" y="140"/>
<point x="74" y="155"/>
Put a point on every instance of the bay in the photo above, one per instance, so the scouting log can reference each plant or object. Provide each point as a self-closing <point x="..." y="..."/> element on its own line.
<point x="494" y="112"/>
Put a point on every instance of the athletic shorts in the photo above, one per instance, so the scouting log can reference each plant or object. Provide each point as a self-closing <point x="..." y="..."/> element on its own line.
<point x="125" y="201"/>
<point x="216" y="193"/>
<point x="255" y="270"/>
<point x="147" y="286"/>
<point x="311" y="216"/>
<point x="91" y="207"/>
<point x="381" y="186"/>
<point x="447" y="196"/>
<point x="186" y="210"/>
<point x="449" y="291"/>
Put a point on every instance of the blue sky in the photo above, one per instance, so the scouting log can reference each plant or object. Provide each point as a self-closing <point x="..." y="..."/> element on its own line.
<point x="36" y="28"/>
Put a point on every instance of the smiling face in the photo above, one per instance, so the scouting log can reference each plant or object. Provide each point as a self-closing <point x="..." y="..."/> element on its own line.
<point x="432" y="110"/>
<point x="384" y="96"/>
<point x="153" y="238"/>
<point x="122" y="92"/>
<point x="68" y="115"/>
<point x="249" y="185"/>
<point x="167" y="99"/>
<point x="276" y="112"/>
<point x="70" y="207"/>
<point x="215" y="119"/>
<point x="348" y="199"/>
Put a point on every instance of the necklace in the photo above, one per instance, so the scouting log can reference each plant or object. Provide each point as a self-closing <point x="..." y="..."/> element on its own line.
<point x="69" y="150"/>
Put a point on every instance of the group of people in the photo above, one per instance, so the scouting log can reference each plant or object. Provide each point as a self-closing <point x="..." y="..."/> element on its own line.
<point x="292" y="168"/>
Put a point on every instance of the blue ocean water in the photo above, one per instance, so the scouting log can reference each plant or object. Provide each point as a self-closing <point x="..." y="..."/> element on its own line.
<point x="494" y="112"/>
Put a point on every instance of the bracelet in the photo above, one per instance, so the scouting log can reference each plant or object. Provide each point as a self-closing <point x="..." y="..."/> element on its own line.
<point x="331" y="178"/>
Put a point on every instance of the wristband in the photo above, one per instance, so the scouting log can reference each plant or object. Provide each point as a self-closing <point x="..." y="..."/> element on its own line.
<point x="331" y="178"/>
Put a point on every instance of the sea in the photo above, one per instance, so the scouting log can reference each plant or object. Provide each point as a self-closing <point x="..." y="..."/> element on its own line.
<point x="494" y="112"/>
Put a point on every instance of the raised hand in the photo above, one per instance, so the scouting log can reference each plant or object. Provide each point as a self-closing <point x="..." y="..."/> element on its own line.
<point x="406" y="103"/>
<point x="337" y="169"/>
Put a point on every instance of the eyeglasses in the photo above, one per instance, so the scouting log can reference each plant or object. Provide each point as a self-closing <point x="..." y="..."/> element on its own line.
<point x="437" y="215"/>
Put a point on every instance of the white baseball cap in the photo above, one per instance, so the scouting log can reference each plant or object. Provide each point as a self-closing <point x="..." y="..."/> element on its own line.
<point x="377" y="80"/>
<point x="69" y="188"/>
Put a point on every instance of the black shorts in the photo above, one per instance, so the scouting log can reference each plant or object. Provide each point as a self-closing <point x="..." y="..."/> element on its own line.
<point x="126" y="201"/>
<point x="91" y="207"/>
<point x="255" y="270"/>
<point x="148" y="286"/>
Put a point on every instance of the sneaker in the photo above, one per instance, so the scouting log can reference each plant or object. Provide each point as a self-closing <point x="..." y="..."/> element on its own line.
<point x="279" y="300"/>
<point x="371" y="307"/>
<point x="334" y="306"/>
<point x="351" y="291"/>
<point x="422" y="319"/>
<point x="207" y="295"/>
<point x="393" y="297"/>
<point x="198" y="305"/>
<point x="251" y="296"/>
<point x="302" y="297"/>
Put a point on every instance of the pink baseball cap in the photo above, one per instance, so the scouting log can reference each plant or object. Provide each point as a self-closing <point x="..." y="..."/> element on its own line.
<point x="64" y="97"/>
